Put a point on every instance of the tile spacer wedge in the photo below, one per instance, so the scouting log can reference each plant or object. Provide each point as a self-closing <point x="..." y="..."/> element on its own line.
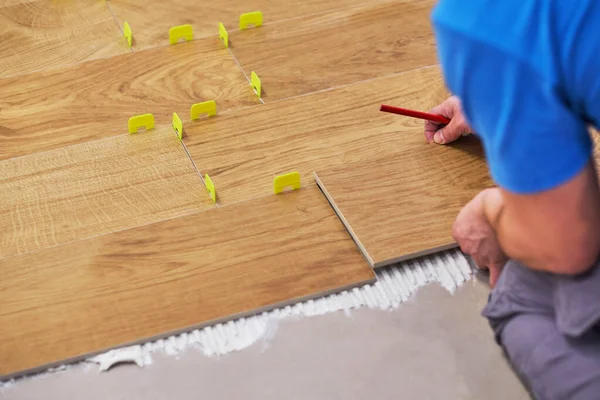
<point x="127" y="33"/>
<point x="185" y="32"/>
<point x="206" y="107"/>
<point x="254" y="18"/>
<point x="224" y="35"/>
<point x="210" y="186"/>
<point x="177" y="125"/>
<point x="256" y="84"/>
<point x="291" y="179"/>
<point x="145" y="121"/>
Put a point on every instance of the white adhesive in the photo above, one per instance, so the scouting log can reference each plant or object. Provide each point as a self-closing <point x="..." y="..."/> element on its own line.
<point x="125" y="355"/>
<point x="395" y="285"/>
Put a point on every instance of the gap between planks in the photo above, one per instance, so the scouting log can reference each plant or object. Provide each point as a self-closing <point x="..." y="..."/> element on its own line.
<point x="372" y="263"/>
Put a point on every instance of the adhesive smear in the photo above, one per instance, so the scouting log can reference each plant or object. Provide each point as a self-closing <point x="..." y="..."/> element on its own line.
<point x="395" y="285"/>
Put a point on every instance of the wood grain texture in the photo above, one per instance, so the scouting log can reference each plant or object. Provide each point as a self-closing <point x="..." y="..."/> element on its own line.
<point x="85" y="297"/>
<point x="336" y="48"/>
<point x="245" y="150"/>
<point x="51" y="109"/>
<point x="43" y="34"/>
<point x="76" y="192"/>
<point x="151" y="22"/>
<point x="5" y="3"/>
<point x="403" y="206"/>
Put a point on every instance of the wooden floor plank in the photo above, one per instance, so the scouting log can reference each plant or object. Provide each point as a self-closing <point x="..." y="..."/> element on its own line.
<point x="88" y="296"/>
<point x="336" y="48"/>
<point x="6" y="3"/>
<point x="403" y="206"/>
<point x="151" y="22"/>
<point x="243" y="151"/>
<point x="51" y="109"/>
<point x="76" y="192"/>
<point x="42" y="34"/>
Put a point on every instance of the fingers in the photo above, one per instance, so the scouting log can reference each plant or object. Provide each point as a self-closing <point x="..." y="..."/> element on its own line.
<point x="447" y="110"/>
<point x="494" y="274"/>
<point x="440" y="134"/>
<point x="430" y="129"/>
<point x="451" y="132"/>
<point x="493" y="270"/>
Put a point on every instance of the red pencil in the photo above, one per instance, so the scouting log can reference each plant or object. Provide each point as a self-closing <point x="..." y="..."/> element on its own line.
<point x="415" y="114"/>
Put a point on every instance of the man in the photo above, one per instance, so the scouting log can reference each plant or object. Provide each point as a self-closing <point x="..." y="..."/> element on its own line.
<point x="527" y="75"/>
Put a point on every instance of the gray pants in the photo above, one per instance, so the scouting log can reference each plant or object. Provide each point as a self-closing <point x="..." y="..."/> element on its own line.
<point x="549" y="327"/>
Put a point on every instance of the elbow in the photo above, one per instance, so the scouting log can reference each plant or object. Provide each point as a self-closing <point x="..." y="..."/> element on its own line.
<point x="575" y="260"/>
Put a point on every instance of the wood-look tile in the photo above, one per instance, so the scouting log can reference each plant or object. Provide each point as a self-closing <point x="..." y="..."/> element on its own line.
<point x="84" y="297"/>
<point x="43" y="34"/>
<point x="51" y="109"/>
<point x="336" y="48"/>
<point x="6" y="3"/>
<point x="243" y="151"/>
<point x="76" y="192"/>
<point x="403" y="206"/>
<point x="151" y="22"/>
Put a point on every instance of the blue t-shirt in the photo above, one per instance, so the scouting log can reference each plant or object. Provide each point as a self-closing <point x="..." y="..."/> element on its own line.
<point x="528" y="76"/>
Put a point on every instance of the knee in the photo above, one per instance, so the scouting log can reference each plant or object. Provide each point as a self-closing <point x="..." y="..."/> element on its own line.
<point x="550" y="364"/>
<point x="523" y="337"/>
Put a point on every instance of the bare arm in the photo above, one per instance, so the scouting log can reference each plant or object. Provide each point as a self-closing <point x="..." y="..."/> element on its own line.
<point x="555" y="231"/>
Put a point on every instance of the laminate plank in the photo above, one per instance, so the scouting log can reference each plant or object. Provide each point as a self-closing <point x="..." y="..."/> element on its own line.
<point x="151" y="23"/>
<point x="51" y="109"/>
<point x="5" y="3"/>
<point x="403" y="206"/>
<point x="336" y="48"/>
<point x="43" y="34"/>
<point x="85" y="297"/>
<point x="243" y="151"/>
<point x="68" y="194"/>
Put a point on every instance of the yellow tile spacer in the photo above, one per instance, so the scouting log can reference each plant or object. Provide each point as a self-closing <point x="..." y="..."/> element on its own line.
<point x="145" y="121"/>
<point x="252" y="18"/>
<point x="223" y="34"/>
<point x="177" y="125"/>
<point x="127" y="33"/>
<point x="282" y="181"/>
<point x="210" y="187"/>
<point x="255" y="82"/>
<point x="181" y="32"/>
<point x="206" y="107"/>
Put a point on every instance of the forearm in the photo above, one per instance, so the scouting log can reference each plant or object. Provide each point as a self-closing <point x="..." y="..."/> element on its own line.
<point x="495" y="211"/>
<point x="509" y="231"/>
<point x="560" y="234"/>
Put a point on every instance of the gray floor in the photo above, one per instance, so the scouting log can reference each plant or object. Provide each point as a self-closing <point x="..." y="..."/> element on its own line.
<point x="436" y="346"/>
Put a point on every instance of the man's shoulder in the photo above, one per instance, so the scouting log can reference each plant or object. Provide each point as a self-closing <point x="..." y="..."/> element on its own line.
<point x="524" y="29"/>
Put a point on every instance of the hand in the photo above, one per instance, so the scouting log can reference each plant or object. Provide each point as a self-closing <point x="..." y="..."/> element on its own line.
<point x="458" y="126"/>
<point x="477" y="238"/>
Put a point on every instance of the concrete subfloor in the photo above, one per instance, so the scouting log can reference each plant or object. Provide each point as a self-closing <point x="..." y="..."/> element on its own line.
<point x="436" y="346"/>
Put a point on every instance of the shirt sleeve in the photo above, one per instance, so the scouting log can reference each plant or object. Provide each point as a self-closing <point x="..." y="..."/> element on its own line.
<point x="533" y="141"/>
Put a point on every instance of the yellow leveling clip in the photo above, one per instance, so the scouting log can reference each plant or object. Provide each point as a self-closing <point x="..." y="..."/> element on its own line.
<point x="177" y="125"/>
<point x="252" y="18"/>
<point x="210" y="187"/>
<point x="181" y="32"/>
<point x="255" y="82"/>
<point x="282" y="181"/>
<point x="127" y="33"/>
<point x="223" y="34"/>
<point x="145" y="121"/>
<point x="207" y="107"/>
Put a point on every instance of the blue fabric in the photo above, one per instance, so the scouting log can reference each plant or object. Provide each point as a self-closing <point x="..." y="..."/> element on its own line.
<point x="528" y="76"/>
